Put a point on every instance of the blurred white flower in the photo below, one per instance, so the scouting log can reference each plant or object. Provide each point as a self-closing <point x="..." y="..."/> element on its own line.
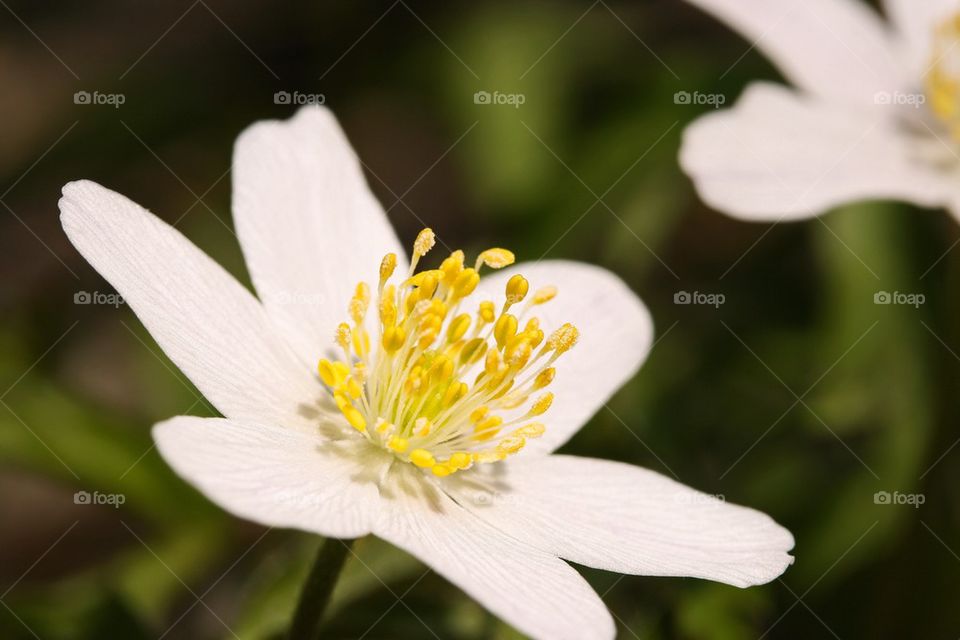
<point x="875" y="113"/>
<point x="418" y="425"/>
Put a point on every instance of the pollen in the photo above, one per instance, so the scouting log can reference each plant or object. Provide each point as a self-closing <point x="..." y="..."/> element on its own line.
<point x="444" y="381"/>
<point x="495" y="258"/>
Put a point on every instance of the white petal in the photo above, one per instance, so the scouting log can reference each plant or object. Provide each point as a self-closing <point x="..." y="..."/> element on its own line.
<point x="778" y="155"/>
<point x="539" y="594"/>
<point x="211" y="326"/>
<point x="275" y="476"/>
<point x="308" y="224"/>
<point x="834" y="48"/>
<point x="615" y="336"/>
<point x="626" y="519"/>
<point x="915" y="22"/>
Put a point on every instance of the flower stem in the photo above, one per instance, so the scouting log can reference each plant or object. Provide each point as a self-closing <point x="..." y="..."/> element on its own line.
<point x="316" y="591"/>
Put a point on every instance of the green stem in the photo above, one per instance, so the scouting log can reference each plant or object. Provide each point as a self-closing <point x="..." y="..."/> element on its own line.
<point x="316" y="591"/>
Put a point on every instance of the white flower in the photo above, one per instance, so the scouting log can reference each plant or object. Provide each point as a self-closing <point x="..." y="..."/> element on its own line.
<point x="875" y="113"/>
<point x="394" y="437"/>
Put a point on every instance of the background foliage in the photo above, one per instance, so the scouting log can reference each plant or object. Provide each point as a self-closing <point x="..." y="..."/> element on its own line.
<point x="798" y="395"/>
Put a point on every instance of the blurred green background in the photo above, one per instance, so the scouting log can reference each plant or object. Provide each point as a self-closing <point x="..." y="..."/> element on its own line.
<point x="798" y="395"/>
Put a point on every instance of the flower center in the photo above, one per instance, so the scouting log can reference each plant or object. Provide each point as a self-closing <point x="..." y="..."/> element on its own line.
<point x="943" y="78"/>
<point x="408" y="393"/>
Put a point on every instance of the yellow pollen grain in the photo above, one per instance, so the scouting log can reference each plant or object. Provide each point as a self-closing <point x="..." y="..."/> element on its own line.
<point x="424" y="242"/>
<point x="459" y="460"/>
<point x="563" y="339"/>
<point x="489" y="456"/>
<point x="488" y="312"/>
<point x="516" y="290"/>
<point x="511" y="444"/>
<point x="398" y="444"/>
<point x="545" y="294"/>
<point x="440" y="470"/>
<point x="387" y="266"/>
<point x="453" y="393"/>
<point x="532" y="430"/>
<point x="504" y="329"/>
<point x="359" y="303"/>
<point x="488" y="423"/>
<point x="343" y="335"/>
<point x="492" y="363"/>
<point x="541" y="405"/>
<point x="496" y="258"/>
<point x="458" y="327"/>
<point x="451" y="267"/>
<point x="327" y="373"/>
<point x="472" y="351"/>
<point x="544" y="378"/>
<point x="479" y="413"/>
<point x="353" y="388"/>
<point x="422" y="458"/>
<point x="355" y="418"/>
<point x="466" y="282"/>
<point x="393" y="339"/>
<point x="428" y="286"/>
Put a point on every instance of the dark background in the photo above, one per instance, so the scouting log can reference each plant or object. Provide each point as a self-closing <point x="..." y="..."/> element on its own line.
<point x="798" y="396"/>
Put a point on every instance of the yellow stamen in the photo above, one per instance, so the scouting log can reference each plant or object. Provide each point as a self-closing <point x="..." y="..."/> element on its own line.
<point x="496" y="258"/>
<point x="343" y="335"/>
<point x="410" y="380"/>
<point x="398" y="444"/>
<point x="546" y="294"/>
<point x="387" y="265"/>
<point x="422" y="458"/>
<point x="541" y="405"/>
<point x="424" y="242"/>
<point x="488" y="312"/>
<point x="517" y="287"/>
